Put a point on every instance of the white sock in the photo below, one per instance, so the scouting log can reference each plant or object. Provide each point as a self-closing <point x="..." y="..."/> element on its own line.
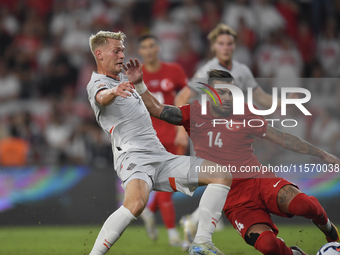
<point x="195" y="216"/>
<point x="211" y="205"/>
<point x="112" y="229"/>
<point x="327" y="227"/>
<point x="172" y="232"/>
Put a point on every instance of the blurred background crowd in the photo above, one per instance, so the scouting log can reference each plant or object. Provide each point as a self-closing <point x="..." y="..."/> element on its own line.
<point x="46" y="63"/>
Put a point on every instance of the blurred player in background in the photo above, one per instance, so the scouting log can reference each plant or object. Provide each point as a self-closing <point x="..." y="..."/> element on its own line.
<point x="163" y="80"/>
<point x="140" y="160"/>
<point x="223" y="42"/>
<point x="254" y="194"/>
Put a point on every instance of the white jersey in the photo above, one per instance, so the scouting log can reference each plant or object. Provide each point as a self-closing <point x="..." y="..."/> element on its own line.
<point x="126" y="121"/>
<point x="241" y="73"/>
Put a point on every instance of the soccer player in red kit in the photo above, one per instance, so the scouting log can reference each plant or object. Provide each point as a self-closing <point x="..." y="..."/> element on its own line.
<point x="163" y="80"/>
<point x="256" y="193"/>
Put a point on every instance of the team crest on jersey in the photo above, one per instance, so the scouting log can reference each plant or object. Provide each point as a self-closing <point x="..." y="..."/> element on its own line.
<point x="232" y="127"/>
<point x="102" y="85"/>
<point x="167" y="85"/>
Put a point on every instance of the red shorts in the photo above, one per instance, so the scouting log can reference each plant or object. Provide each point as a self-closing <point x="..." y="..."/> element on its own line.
<point x="251" y="201"/>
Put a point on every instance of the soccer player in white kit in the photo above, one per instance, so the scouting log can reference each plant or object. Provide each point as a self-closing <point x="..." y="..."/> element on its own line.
<point x="223" y="42"/>
<point x="140" y="160"/>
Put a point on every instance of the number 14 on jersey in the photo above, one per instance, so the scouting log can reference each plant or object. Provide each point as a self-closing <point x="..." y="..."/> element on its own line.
<point x="218" y="141"/>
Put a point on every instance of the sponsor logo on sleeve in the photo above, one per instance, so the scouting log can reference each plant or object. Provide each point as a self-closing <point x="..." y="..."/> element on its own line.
<point x="102" y="85"/>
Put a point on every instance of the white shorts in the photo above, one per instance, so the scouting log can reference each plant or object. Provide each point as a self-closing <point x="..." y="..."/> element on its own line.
<point x="162" y="171"/>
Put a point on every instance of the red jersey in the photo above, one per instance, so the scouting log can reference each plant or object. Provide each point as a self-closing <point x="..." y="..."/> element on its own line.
<point x="164" y="85"/>
<point x="229" y="143"/>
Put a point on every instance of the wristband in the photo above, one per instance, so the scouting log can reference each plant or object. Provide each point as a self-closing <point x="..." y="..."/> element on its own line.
<point x="141" y="88"/>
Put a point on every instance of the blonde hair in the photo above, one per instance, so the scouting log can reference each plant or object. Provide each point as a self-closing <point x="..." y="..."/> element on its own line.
<point x="101" y="38"/>
<point x="221" y="29"/>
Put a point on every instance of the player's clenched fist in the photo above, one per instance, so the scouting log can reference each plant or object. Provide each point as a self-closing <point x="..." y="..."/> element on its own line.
<point x="123" y="89"/>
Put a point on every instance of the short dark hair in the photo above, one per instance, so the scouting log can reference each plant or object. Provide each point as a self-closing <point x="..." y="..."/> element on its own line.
<point x="147" y="36"/>
<point x="219" y="75"/>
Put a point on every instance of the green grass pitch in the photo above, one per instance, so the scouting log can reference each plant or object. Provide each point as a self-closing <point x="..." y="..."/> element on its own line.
<point x="78" y="240"/>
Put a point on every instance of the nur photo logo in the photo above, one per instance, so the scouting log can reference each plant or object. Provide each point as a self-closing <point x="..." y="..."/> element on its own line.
<point x="239" y="100"/>
<point x="204" y="97"/>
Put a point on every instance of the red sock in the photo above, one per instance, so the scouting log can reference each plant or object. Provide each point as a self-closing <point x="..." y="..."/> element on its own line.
<point x="308" y="207"/>
<point x="268" y="244"/>
<point x="167" y="209"/>
<point x="153" y="206"/>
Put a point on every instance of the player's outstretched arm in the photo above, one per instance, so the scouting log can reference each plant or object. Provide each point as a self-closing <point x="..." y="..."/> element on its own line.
<point x="294" y="143"/>
<point x="106" y="96"/>
<point x="168" y="113"/>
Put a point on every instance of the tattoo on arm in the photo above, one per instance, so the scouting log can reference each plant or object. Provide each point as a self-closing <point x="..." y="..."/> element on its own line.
<point x="299" y="145"/>
<point x="293" y="143"/>
<point x="274" y="132"/>
<point x="171" y="114"/>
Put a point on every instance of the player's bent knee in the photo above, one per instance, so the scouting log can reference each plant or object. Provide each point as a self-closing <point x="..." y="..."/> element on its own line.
<point x="211" y="180"/>
<point x="136" y="195"/>
<point x="225" y="181"/>
<point x="136" y="207"/>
